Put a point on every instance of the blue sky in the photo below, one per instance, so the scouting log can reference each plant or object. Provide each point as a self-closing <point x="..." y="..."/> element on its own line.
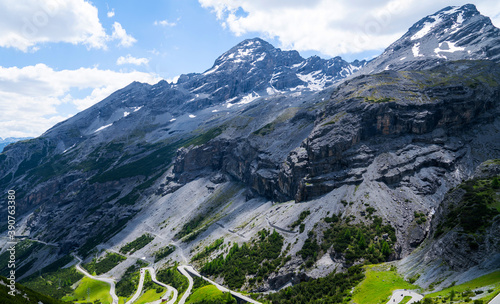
<point x="188" y="44"/>
<point x="58" y="57"/>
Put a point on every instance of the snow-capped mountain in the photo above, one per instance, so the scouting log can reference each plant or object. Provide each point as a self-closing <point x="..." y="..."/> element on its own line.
<point x="251" y="70"/>
<point x="267" y="70"/>
<point x="453" y="33"/>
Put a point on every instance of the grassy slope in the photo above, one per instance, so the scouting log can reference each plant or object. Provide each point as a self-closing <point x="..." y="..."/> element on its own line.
<point x="97" y="291"/>
<point x="151" y="295"/>
<point x="492" y="281"/>
<point x="405" y="300"/>
<point x="122" y="300"/>
<point x="204" y="293"/>
<point x="378" y="285"/>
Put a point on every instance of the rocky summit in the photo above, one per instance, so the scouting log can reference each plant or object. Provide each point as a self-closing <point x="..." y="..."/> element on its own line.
<point x="269" y="170"/>
<point x="453" y="33"/>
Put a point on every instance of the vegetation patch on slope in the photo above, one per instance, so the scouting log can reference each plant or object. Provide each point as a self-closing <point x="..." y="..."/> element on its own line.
<point x="164" y="252"/>
<point x="161" y="157"/>
<point x="288" y="114"/>
<point x="258" y="259"/>
<point x="208" y="250"/>
<point x="105" y="264"/>
<point x="483" y="288"/>
<point x="204" y="137"/>
<point x="372" y="242"/>
<point x="405" y="300"/>
<point x="56" y="284"/>
<point x="54" y="266"/>
<point x="146" y="166"/>
<point x="30" y="296"/>
<point x="194" y="227"/>
<point x="150" y="291"/>
<point x="137" y="244"/>
<point x="298" y="222"/>
<point x="174" y="278"/>
<point x="379" y="283"/>
<point x="334" y="288"/>
<point x="106" y="233"/>
<point x="151" y="295"/>
<point x="378" y="100"/>
<point x="475" y="212"/>
<point x="129" y="281"/>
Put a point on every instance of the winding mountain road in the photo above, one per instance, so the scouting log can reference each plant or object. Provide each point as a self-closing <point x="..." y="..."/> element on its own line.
<point x="110" y="281"/>
<point x="182" y="270"/>
<point x="185" y="270"/>
<point x="112" y="290"/>
<point x="170" y="289"/>
<point x="399" y="294"/>
<point x="137" y="294"/>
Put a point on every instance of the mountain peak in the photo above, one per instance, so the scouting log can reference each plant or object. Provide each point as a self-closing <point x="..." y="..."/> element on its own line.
<point x="466" y="8"/>
<point x="254" y="49"/>
<point x="453" y="33"/>
<point x="251" y="53"/>
<point x="451" y="18"/>
<point x="254" y="43"/>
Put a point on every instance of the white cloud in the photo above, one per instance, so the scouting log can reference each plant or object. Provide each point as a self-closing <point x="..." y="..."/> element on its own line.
<point x="29" y="96"/>
<point x="331" y="27"/>
<point x="154" y="52"/>
<point x="165" y="23"/>
<point x="120" y="34"/>
<point x="129" y="59"/>
<point x="25" y="24"/>
<point x="111" y="13"/>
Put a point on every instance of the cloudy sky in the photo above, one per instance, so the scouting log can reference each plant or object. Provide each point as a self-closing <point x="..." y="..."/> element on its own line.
<point x="58" y="57"/>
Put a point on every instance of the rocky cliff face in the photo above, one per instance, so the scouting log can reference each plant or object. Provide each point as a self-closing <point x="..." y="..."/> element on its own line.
<point x="465" y="232"/>
<point x="424" y="114"/>
<point x="403" y="130"/>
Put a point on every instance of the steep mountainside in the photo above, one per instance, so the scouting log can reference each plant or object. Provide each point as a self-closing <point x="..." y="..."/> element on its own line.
<point x="140" y="118"/>
<point x="23" y="295"/>
<point x="359" y="171"/>
<point x="465" y="232"/>
<point x="402" y="130"/>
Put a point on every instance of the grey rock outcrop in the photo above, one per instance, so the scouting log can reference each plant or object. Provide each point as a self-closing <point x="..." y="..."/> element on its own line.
<point x="454" y="254"/>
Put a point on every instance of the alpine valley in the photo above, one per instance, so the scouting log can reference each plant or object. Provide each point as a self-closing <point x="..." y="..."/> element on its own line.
<point x="293" y="180"/>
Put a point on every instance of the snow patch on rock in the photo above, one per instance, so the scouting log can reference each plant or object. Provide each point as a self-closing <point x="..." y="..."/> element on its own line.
<point x="102" y="128"/>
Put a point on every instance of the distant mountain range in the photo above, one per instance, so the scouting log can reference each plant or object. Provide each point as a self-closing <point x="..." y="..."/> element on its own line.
<point x="10" y="140"/>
